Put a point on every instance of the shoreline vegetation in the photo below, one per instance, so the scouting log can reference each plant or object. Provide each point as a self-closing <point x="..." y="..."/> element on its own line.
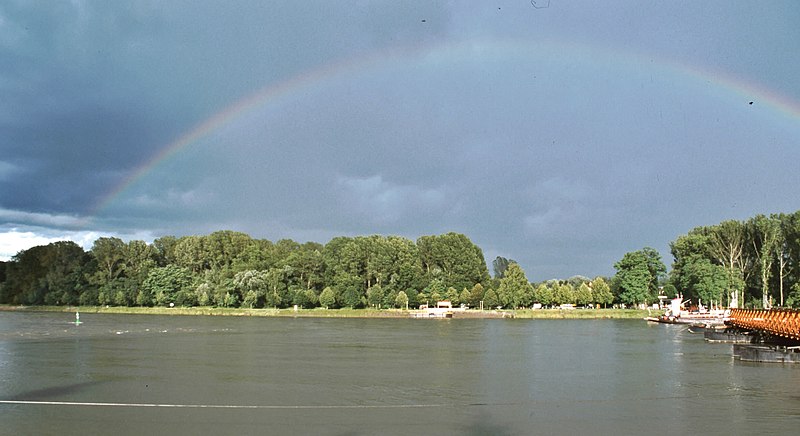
<point x="755" y="263"/>
<point x="338" y="313"/>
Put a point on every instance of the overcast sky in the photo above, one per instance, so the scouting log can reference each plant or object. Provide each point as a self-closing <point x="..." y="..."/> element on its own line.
<point x="561" y="134"/>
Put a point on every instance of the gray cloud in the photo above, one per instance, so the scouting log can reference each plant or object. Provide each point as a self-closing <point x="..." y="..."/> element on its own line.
<point x="561" y="138"/>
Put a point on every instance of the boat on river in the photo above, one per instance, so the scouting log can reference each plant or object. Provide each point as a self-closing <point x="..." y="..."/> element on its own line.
<point x="675" y="314"/>
<point x="690" y="320"/>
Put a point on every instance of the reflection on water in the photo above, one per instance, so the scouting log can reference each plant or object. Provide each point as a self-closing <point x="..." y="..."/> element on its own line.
<point x="227" y="375"/>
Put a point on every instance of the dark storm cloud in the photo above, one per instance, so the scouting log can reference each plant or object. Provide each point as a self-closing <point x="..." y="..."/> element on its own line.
<point x="559" y="137"/>
<point x="93" y="89"/>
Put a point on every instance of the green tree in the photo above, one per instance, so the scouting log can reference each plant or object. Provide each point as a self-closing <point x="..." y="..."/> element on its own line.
<point x="138" y="259"/>
<point x="222" y="249"/>
<point x="51" y="274"/>
<point x="707" y="281"/>
<point x="727" y="245"/>
<point x="793" y="299"/>
<point x="252" y="286"/>
<point x="352" y="297"/>
<point x="375" y="296"/>
<point x="514" y="289"/>
<point x="452" y="296"/>
<point x="490" y="299"/>
<point x="636" y="276"/>
<point x="327" y="298"/>
<point x="306" y="266"/>
<point x="166" y="283"/>
<point x="601" y="291"/>
<point x="277" y="291"/>
<point x="577" y="280"/>
<point x="164" y="248"/>
<point x="189" y="252"/>
<point x="401" y="301"/>
<point x="543" y="295"/>
<point x="63" y="264"/>
<point x="563" y="293"/>
<point x="786" y="253"/>
<point x="583" y="295"/>
<point x="655" y="267"/>
<point x="670" y="291"/>
<point x="311" y="298"/>
<point x="203" y="294"/>
<point x="476" y="295"/>
<point x="500" y="264"/>
<point x="453" y="258"/>
<point x="765" y="233"/>
<point x="109" y="253"/>
<point x="465" y="297"/>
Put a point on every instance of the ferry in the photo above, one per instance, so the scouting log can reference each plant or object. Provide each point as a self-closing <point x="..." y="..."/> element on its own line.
<point x="675" y="314"/>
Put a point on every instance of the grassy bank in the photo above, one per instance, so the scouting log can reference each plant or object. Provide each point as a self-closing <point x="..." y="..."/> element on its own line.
<point x="582" y="314"/>
<point x="330" y="313"/>
<point x="213" y="311"/>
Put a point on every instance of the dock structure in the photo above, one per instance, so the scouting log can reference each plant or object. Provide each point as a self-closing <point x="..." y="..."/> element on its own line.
<point x="777" y="330"/>
<point x="783" y="323"/>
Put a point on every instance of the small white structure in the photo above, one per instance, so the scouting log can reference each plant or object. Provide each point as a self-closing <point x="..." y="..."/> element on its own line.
<point x="443" y="309"/>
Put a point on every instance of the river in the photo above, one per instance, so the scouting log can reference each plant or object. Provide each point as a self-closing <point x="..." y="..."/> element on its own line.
<point x="147" y="374"/>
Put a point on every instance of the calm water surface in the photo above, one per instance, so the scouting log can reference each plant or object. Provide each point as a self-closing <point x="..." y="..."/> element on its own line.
<point x="140" y="374"/>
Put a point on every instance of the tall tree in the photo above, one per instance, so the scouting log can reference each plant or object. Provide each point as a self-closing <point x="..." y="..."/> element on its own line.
<point x="306" y="266"/>
<point x="252" y="286"/>
<point x="515" y="290"/>
<point x="601" y="292"/>
<point x="277" y="292"/>
<point x="655" y="267"/>
<point x="727" y="244"/>
<point x="563" y="293"/>
<point x="583" y="295"/>
<point x="45" y="274"/>
<point x="500" y="264"/>
<point x="636" y="276"/>
<point x="787" y="250"/>
<point x="476" y="295"/>
<point x="765" y="233"/>
<point x="707" y="281"/>
<point x="110" y="256"/>
<point x="327" y="298"/>
<point x="222" y="249"/>
<point x="375" y="296"/>
<point x="460" y="262"/>
<point x="543" y="294"/>
<point x="168" y="284"/>
<point x="189" y="252"/>
<point x="401" y="301"/>
<point x="164" y="248"/>
<point x="687" y="250"/>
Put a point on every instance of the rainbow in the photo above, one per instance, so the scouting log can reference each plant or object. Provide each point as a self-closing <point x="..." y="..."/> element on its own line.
<point x="272" y="93"/>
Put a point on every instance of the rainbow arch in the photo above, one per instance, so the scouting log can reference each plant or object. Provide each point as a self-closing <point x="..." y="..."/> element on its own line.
<point x="443" y="52"/>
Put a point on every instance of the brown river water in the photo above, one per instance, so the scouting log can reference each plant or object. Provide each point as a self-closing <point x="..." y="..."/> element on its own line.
<point x="188" y="375"/>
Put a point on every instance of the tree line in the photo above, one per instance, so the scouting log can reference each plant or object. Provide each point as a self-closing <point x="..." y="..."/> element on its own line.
<point x="755" y="262"/>
<point x="232" y="269"/>
<point x="751" y="263"/>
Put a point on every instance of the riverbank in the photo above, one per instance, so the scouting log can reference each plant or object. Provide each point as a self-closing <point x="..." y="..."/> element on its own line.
<point x="338" y="313"/>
